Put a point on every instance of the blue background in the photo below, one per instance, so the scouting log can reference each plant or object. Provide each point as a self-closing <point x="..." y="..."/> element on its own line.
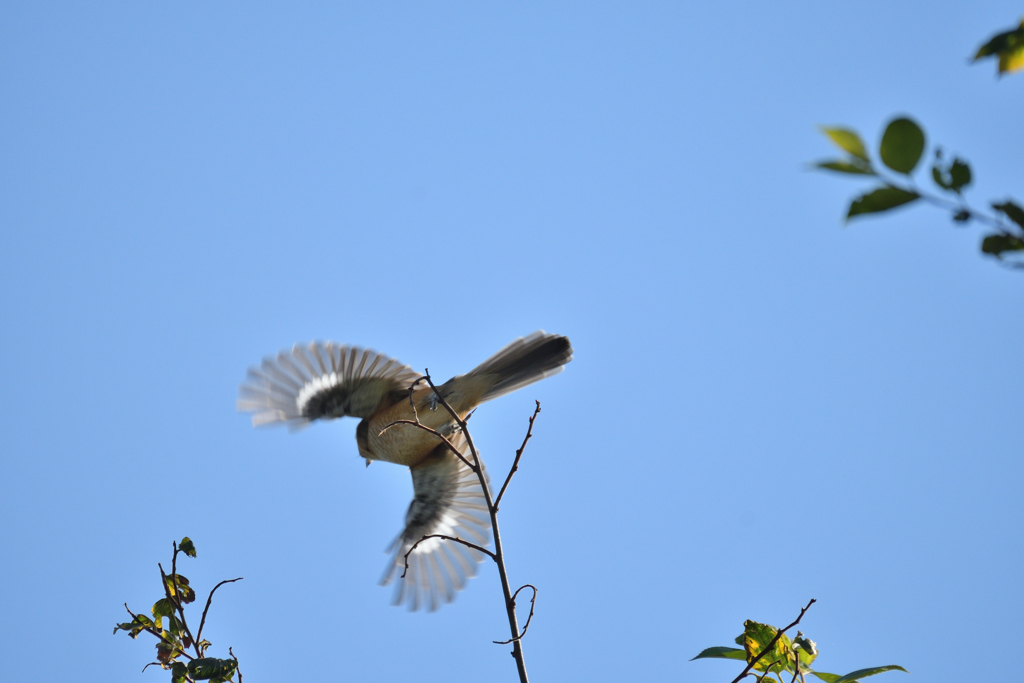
<point x="764" y="406"/>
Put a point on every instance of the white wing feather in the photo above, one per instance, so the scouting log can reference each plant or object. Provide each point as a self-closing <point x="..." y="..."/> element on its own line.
<point x="448" y="500"/>
<point x="321" y="380"/>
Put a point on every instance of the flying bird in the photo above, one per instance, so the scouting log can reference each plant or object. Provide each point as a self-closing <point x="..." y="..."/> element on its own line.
<point x="324" y="381"/>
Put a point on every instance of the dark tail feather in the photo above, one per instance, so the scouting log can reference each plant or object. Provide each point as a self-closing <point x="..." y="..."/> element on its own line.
<point x="525" y="361"/>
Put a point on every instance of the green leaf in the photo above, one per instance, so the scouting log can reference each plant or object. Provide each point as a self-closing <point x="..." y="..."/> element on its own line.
<point x="187" y="547"/>
<point x="828" y="678"/>
<point x="997" y="243"/>
<point x="176" y="629"/>
<point x="209" y="667"/>
<point x="954" y="177"/>
<point x="863" y="673"/>
<point x="960" y="174"/>
<point x="902" y="145"/>
<point x="1008" y="47"/>
<point x="179" y="673"/>
<point x="136" y="625"/>
<point x="847" y="140"/>
<point x="722" y="653"/>
<point x="167" y="652"/>
<point x="756" y="637"/>
<point x="806" y="648"/>
<point x="858" y="168"/>
<point x="882" y="199"/>
<point x="1011" y="211"/>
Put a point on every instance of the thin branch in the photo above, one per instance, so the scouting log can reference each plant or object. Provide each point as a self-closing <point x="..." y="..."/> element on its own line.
<point x="771" y="644"/>
<point x="230" y="652"/>
<point x="209" y="599"/>
<point x="417" y="423"/>
<point x="412" y="403"/>
<point x="519" y="454"/>
<point x="474" y="546"/>
<point x="533" y="602"/>
<point x="499" y="557"/>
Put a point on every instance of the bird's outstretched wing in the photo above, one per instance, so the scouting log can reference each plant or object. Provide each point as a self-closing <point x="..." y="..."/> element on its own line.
<point x="321" y="380"/>
<point x="447" y="499"/>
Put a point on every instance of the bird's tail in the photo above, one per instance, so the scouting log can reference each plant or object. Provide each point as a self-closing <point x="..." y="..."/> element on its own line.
<point x="524" y="361"/>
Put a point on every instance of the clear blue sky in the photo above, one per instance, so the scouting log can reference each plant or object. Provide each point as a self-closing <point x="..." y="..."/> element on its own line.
<point x="764" y="406"/>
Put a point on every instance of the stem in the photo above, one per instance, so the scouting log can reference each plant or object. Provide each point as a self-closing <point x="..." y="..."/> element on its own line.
<point x="519" y="455"/>
<point x="499" y="555"/>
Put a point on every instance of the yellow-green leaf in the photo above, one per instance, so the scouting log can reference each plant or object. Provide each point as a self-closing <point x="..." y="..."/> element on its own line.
<point x="858" y="168"/>
<point x="756" y="637"/>
<point x="847" y="140"/>
<point x="162" y="608"/>
<point x="1008" y="46"/>
<point x="185" y="592"/>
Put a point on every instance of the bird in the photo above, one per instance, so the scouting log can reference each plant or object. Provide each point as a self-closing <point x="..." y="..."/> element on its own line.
<point x="325" y="381"/>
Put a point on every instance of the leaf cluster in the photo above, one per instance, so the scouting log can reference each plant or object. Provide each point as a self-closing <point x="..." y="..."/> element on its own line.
<point x="1007" y="47"/>
<point x="176" y="648"/>
<point x="772" y="654"/>
<point x="900" y="151"/>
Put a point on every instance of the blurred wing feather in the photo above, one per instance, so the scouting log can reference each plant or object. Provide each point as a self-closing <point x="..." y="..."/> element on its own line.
<point x="321" y="380"/>
<point x="448" y="500"/>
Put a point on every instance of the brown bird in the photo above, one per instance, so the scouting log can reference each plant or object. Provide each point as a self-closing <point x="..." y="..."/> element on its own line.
<point x="327" y="381"/>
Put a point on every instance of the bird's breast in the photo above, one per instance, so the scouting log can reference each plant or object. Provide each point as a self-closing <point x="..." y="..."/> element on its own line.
<point x="405" y="444"/>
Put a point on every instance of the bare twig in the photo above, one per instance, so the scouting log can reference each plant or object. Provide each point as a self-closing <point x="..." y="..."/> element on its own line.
<point x="519" y="454"/>
<point x="230" y="652"/>
<point x="412" y="403"/>
<point x="499" y="557"/>
<point x="474" y="546"/>
<point x="442" y="437"/>
<point x="771" y="644"/>
<point x="209" y="599"/>
<point x="533" y="602"/>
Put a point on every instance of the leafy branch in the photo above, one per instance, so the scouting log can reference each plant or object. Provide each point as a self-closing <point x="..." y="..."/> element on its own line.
<point x="771" y="653"/>
<point x="900" y="150"/>
<point x="175" y="641"/>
